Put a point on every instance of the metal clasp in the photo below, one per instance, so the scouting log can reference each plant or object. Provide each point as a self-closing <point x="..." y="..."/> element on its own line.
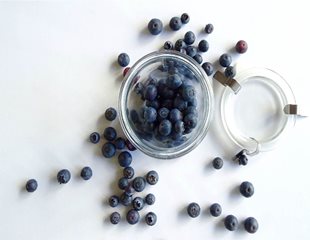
<point x="230" y="82"/>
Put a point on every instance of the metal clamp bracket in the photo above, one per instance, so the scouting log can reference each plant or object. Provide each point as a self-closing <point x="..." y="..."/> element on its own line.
<point x="230" y="82"/>
<point x="293" y="109"/>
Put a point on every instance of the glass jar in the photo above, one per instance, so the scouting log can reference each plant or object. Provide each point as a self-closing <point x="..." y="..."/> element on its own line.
<point x="154" y="69"/>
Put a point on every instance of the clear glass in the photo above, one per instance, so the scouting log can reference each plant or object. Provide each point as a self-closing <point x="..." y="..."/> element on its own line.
<point x="129" y="100"/>
<point x="257" y="110"/>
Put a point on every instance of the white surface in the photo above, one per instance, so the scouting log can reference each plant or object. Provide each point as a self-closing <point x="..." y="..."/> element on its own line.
<point x="56" y="80"/>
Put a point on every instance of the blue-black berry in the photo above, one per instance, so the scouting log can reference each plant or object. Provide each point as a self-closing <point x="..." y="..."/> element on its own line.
<point x="126" y="199"/>
<point x="225" y="60"/>
<point x="124" y="159"/>
<point x="155" y="26"/>
<point x="203" y="46"/>
<point x="150" y="219"/>
<point x="217" y="163"/>
<point x="138" y="203"/>
<point x="251" y="225"/>
<point x="185" y="18"/>
<point x="150" y="92"/>
<point x="215" y="210"/>
<point x="133" y="216"/>
<point x="231" y="223"/>
<point x="123" y="59"/>
<point x="120" y="143"/>
<point x="149" y="114"/>
<point x="63" y="176"/>
<point x="175" y="115"/>
<point x="230" y="72"/>
<point x="247" y="189"/>
<point x="128" y="172"/>
<point x="150" y="199"/>
<point x="86" y="173"/>
<point x="168" y="45"/>
<point x="123" y="183"/>
<point x="94" y="137"/>
<point x="179" y="44"/>
<point x="110" y="133"/>
<point x="208" y="67"/>
<point x="209" y="28"/>
<point x="113" y="201"/>
<point x="165" y="127"/>
<point x="31" y="185"/>
<point x="198" y="58"/>
<point x="108" y="150"/>
<point x="110" y="114"/>
<point x="139" y="184"/>
<point x="152" y="177"/>
<point x="191" y="51"/>
<point x="130" y="146"/>
<point x="193" y="210"/>
<point x="115" y="218"/>
<point x="189" y="38"/>
<point x="175" y="23"/>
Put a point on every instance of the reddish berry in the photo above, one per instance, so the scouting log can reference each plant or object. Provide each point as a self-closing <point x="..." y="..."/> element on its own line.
<point x="241" y="46"/>
<point x="126" y="71"/>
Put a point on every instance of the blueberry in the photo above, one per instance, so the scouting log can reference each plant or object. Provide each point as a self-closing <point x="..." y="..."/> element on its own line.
<point x="179" y="127"/>
<point x="152" y="177"/>
<point x="123" y="59"/>
<point x="175" y="115"/>
<point x="167" y="103"/>
<point x="132" y="216"/>
<point x="192" y="102"/>
<point x="129" y="190"/>
<point x="155" y="26"/>
<point x="203" y="46"/>
<point x="124" y="159"/>
<point x="86" y="173"/>
<point x="189" y="38"/>
<point x="110" y="133"/>
<point x="123" y="183"/>
<point x="31" y="185"/>
<point x="193" y="210"/>
<point x="164" y="127"/>
<point x="168" y="45"/>
<point x="166" y="93"/>
<point x="130" y="146"/>
<point x="198" y="58"/>
<point x="225" y="60"/>
<point x="115" y="218"/>
<point x="208" y="67"/>
<point x="174" y="81"/>
<point x="134" y="116"/>
<point x="108" y="150"/>
<point x="188" y="92"/>
<point x="150" y="219"/>
<point x="153" y="104"/>
<point x="209" y="28"/>
<point x="94" y="137"/>
<point x="243" y="160"/>
<point x="190" y="121"/>
<point x="138" y="203"/>
<point x="217" y="163"/>
<point x="125" y="71"/>
<point x="179" y="44"/>
<point x="126" y="199"/>
<point x="63" y="176"/>
<point x="150" y="114"/>
<point x="110" y="114"/>
<point x="215" y="210"/>
<point x="241" y="46"/>
<point x="185" y="18"/>
<point x="113" y="201"/>
<point x="247" y="189"/>
<point x="139" y="88"/>
<point x="251" y="225"/>
<point x="162" y="113"/>
<point x="231" y="222"/>
<point x="120" y="143"/>
<point x="150" y="199"/>
<point x="191" y="51"/>
<point x="191" y="109"/>
<point x="128" y="172"/>
<point x="139" y="184"/>
<point x="180" y="103"/>
<point x="150" y="92"/>
<point x="230" y="72"/>
<point x="175" y="23"/>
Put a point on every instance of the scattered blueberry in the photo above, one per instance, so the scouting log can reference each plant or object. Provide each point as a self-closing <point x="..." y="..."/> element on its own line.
<point x="179" y="44"/>
<point x="132" y="216"/>
<point x="152" y="177"/>
<point x="251" y="225"/>
<point x="123" y="183"/>
<point x="123" y="59"/>
<point x="129" y="190"/>
<point x="110" y="114"/>
<point x="198" y="58"/>
<point x="191" y="51"/>
<point x="94" y="137"/>
<point x="63" y="176"/>
<point x="130" y="146"/>
<point x="115" y="218"/>
<point x="31" y="185"/>
<point x="242" y="158"/>
<point x="139" y="184"/>
<point x="120" y="143"/>
<point x="193" y="210"/>
<point x="189" y="38"/>
<point x="217" y="163"/>
<point x="124" y="159"/>
<point x="175" y="115"/>
<point x="150" y="199"/>
<point x="125" y="199"/>
<point x="86" y="173"/>
<point x="168" y="45"/>
<point x="110" y="133"/>
<point x="165" y="127"/>
<point x="208" y="67"/>
<point x="203" y="46"/>
<point x="230" y="72"/>
<point x="128" y="172"/>
<point x="175" y="23"/>
<point x="125" y="71"/>
<point x="215" y="210"/>
<point x="241" y="46"/>
<point x="247" y="189"/>
<point x="209" y="28"/>
<point x="150" y="218"/>
<point x="231" y="223"/>
<point x="185" y="18"/>
<point x="138" y="203"/>
<point x="108" y="150"/>
<point x="225" y="60"/>
<point x="113" y="201"/>
<point x="155" y="26"/>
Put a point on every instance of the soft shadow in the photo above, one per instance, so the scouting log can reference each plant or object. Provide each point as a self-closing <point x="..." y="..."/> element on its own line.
<point x="234" y="194"/>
